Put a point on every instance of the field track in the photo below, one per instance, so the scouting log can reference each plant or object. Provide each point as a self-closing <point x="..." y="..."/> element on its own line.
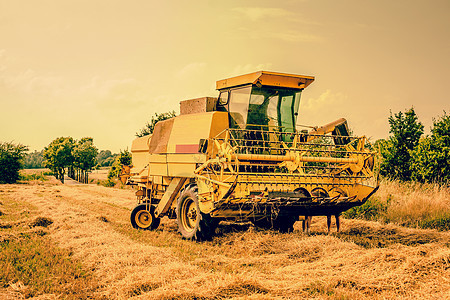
<point x="365" y="260"/>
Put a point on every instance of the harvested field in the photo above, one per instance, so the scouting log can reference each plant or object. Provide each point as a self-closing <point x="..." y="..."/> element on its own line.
<point x="366" y="260"/>
<point x="99" y="175"/>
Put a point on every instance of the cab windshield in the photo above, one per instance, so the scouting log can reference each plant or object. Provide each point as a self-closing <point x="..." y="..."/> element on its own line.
<point x="262" y="108"/>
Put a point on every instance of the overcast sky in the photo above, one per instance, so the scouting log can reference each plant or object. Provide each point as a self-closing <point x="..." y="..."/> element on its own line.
<point x="103" y="68"/>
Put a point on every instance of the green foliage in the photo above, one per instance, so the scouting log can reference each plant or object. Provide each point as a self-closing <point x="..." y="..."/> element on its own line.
<point x="123" y="159"/>
<point x="396" y="151"/>
<point x="432" y="155"/>
<point x="58" y="155"/>
<point x="372" y="209"/>
<point x="149" y="127"/>
<point x="107" y="183"/>
<point x="11" y="161"/>
<point x="105" y="158"/>
<point x="65" y="152"/>
<point x="33" y="176"/>
<point x="440" y="223"/>
<point x="34" y="160"/>
<point x="85" y="154"/>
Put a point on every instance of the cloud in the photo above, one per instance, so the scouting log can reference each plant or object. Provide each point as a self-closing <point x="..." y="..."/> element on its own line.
<point x="296" y="36"/>
<point x="249" y="68"/>
<point x="191" y="70"/>
<point x="283" y="34"/>
<point x="29" y="82"/>
<point x="329" y="106"/>
<point x="325" y="99"/>
<point x="257" y="13"/>
<point x="110" y="88"/>
<point x="270" y="13"/>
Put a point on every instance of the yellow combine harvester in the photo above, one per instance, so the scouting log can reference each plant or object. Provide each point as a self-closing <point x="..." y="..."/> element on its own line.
<point x="241" y="157"/>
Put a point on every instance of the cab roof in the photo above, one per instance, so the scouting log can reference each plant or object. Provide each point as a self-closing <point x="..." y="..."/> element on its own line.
<point x="265" y="78"/>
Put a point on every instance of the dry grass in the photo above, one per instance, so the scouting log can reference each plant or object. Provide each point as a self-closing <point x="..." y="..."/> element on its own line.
<point x="100" y="176"/>
<point x="367" y="260"/>
<point x="30" y="262"/>
<point x="408" y="204"/>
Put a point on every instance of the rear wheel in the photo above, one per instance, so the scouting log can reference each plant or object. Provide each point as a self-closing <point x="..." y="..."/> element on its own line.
<point x="143" y="217"/>
<point x="192" y="223"/>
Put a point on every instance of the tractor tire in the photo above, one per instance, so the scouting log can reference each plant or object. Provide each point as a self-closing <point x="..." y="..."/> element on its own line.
<point x="144" y="219"/>
<point x="192" y="223"/>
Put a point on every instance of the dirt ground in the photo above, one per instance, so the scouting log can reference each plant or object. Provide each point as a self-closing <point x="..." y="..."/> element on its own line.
<point x="365" y="260"/>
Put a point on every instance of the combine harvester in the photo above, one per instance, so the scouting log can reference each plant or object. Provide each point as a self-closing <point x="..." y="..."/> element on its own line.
<point x="241" y="158"/>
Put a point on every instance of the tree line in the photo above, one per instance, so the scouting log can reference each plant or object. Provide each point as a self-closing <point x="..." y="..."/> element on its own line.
<point x="35" y="160"/>
<point x="408" y="155"/>
<point x="78" y="157"/>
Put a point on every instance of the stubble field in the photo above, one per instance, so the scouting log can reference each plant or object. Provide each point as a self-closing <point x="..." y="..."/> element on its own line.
<point x="96" y="254"/>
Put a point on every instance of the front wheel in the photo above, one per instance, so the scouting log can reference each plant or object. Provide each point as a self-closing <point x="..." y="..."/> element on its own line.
<point x="143" y="217"/>
<point x="192" y="223"/>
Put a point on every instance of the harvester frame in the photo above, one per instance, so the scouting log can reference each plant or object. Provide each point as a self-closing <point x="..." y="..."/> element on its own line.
<point x="241" y="157"/>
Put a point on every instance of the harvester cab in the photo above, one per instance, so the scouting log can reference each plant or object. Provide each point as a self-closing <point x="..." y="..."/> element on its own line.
<point x="241" y="157"/>
<point x="262" y="100"/>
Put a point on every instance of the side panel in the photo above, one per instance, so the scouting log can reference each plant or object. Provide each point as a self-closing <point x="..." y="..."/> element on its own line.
<point x="158" y="165"/>
<point x="172" y="150"/>
<point x="161" y="135"/>
<point x="188" y="130"/>
<point x="183" y="165"/>
<point x="139" y="152"/>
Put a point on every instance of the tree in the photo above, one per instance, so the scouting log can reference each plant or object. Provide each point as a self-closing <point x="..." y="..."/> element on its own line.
<point x="105" y="158"/>
<point x="58" y="156"/>
<point x="123" y="159"/>
<point x="149" y="127"/>
<point x="84" y="155"/>
<point x="11" y="161"/>
<point x="432" y="155"/>
<point x="34" y="160"/>
<point x="396" y="151"/>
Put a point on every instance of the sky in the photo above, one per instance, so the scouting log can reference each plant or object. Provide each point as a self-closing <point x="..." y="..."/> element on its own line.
<point x="103" y="68"/>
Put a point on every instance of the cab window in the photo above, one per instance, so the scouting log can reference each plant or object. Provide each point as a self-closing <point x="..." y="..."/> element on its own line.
<point x="238" y="106"/>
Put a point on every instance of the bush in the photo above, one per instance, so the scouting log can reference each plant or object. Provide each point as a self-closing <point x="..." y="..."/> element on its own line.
<point x="373" y="209"/>
<point x="33" y="176"/>
<point x="107" y="183"/>
<point x="431" y="161"/>
<point x="11" y="161"/>
<point x="440" y="223"/>
<point x="123" y="159"/>
<point x="396" y="151"/>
